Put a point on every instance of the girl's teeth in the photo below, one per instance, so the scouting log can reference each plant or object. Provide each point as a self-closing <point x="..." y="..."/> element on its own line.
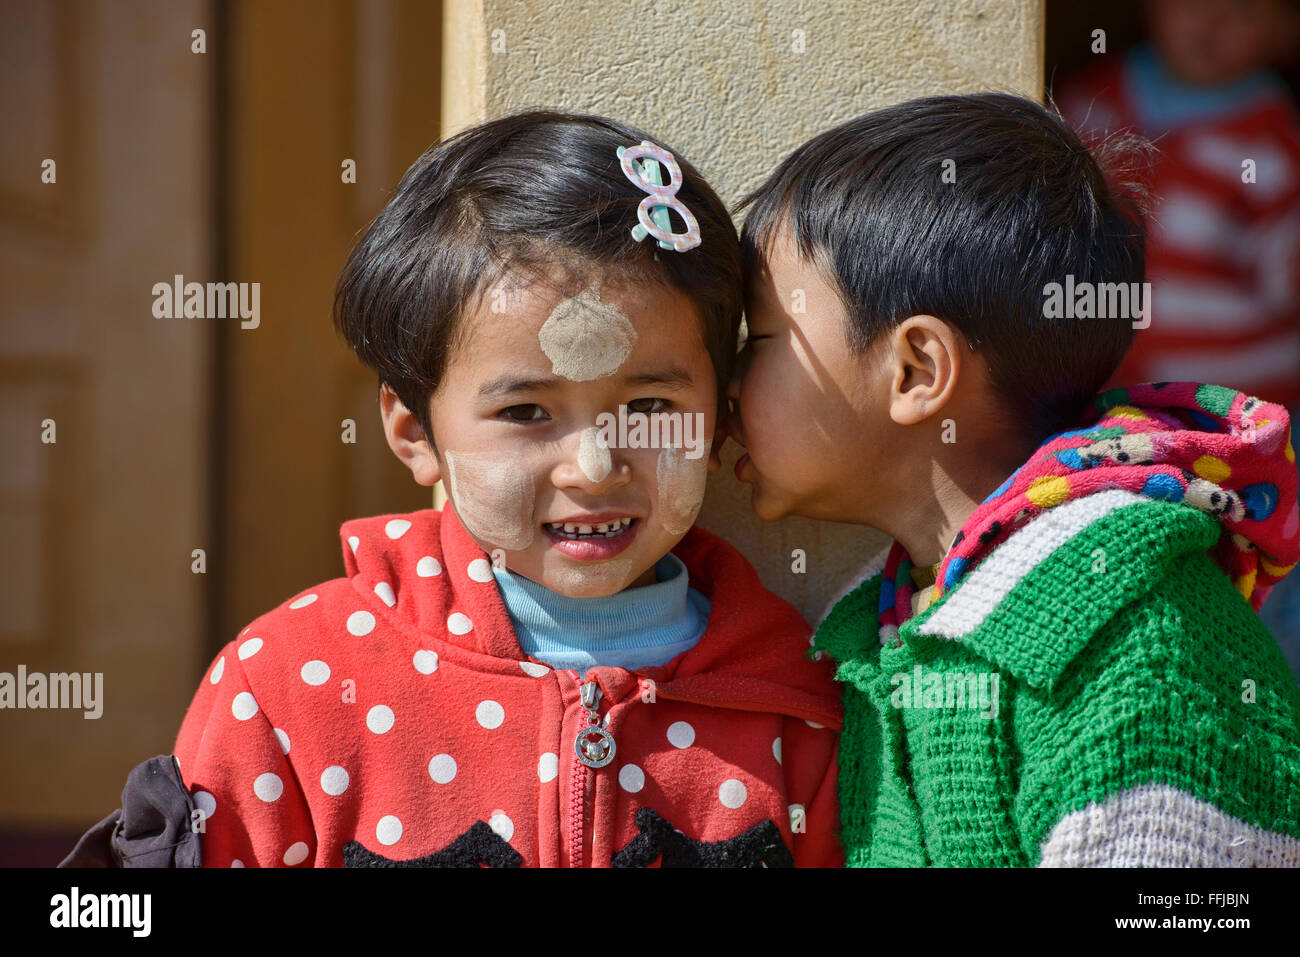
<point x="607" y="529"/>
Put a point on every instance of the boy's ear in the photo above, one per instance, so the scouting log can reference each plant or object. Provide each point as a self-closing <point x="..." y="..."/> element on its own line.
<point x="923" y="361"/>
<point x="407" y="439"/>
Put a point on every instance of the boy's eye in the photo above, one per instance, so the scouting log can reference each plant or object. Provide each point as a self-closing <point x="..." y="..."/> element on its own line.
<point x="654" y="405"/>
<point x="530" y="412"/>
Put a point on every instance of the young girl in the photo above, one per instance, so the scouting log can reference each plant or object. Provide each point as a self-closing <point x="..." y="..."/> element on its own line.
<point x="556" y="669"/>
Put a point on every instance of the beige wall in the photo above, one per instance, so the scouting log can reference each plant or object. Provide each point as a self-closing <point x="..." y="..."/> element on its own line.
<point x="736" y="86"/>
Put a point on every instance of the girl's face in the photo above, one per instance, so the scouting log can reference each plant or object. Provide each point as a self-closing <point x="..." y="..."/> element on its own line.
<point x="517" y="422"/>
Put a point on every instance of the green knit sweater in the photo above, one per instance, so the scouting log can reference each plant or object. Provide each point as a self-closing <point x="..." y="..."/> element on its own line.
<point x="1094" y="692"/>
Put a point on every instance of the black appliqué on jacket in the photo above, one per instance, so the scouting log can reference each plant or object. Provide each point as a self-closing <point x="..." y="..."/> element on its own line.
<point x="480" y="846"/>
<point x="760" y="846"/>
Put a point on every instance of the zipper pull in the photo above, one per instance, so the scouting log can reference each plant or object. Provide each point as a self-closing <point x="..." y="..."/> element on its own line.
<point x="594" y="745"/>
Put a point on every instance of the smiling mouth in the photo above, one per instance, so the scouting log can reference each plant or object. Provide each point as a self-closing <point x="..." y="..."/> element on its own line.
<point x="575" y="532"/>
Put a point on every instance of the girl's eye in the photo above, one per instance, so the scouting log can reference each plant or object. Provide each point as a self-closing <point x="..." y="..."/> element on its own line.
<point x="524" y="413"/>
<point x="656" y="405"/>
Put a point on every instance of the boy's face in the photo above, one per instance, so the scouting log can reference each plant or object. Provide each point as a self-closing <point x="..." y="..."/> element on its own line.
<point x="525" y="424"/>
<point x="808" y="412"/>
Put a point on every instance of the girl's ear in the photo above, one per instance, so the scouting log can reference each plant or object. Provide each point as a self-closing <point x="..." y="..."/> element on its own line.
<point x="407" y="439"/>
<point x="726" y="405"/>
<point x="719" y="437"/>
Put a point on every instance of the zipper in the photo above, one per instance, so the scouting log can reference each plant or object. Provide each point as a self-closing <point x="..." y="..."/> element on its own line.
<point x="595" y="748"/>
<point x="594" y="745"/>
<point x="577" y="798"/>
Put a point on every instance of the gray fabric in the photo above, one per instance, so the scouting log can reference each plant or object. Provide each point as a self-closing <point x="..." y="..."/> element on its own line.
<point x="152" y="828"/>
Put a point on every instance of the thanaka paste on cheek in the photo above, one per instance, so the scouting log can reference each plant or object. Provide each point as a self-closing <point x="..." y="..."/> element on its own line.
<point x="585" y="338"/>
<point x="681" y="488"/>
<point x="593" y="455"/>
<point x="493" y="495"/>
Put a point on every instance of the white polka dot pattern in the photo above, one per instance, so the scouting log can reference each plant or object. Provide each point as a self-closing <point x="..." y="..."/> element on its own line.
<point x="346" y="712"/>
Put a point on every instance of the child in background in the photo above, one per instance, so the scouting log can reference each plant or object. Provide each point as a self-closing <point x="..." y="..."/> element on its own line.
<point x="1223" y="253"/>
<point x="1060" y="662"/>
<point x="557" y="669"/>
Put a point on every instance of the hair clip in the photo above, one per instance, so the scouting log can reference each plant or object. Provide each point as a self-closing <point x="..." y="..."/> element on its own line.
<point x="653" y="211"/>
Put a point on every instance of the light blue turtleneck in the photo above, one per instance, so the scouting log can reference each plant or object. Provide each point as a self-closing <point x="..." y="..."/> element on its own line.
<point x="635" y="628"/>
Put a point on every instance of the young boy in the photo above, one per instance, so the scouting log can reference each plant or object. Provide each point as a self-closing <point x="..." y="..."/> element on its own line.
<point x="1052" y="668"/>
<point x="557" y="669"/>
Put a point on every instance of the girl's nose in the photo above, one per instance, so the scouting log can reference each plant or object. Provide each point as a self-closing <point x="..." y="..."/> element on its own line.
<point x="591" y="464"/>
<point x="594" y="458"/>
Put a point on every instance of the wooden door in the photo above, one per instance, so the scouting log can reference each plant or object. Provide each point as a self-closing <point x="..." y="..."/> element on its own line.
<point x="184" y="437"/>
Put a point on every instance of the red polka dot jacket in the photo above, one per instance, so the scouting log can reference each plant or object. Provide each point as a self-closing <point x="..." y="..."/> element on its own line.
<point x="389" y="718"/>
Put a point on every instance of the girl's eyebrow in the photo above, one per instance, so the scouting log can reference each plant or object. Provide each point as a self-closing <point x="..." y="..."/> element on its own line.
<point x="671" y="375"/>
<point x="505" y="384"/>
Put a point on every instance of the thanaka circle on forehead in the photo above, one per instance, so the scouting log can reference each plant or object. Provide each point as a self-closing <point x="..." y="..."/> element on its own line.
<point x="493" y="495"/>
<point x="586" y="338"/>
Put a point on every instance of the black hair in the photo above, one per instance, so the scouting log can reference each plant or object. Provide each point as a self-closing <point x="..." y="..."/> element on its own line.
<point x="528" y="191"/>
<point x="966" y="208"/>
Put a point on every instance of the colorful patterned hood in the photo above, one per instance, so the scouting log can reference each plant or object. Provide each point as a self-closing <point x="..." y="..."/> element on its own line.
<point x="1207" y="446"/>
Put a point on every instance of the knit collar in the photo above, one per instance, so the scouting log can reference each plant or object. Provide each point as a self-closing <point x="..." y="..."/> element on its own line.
<point x="1026" y="609"/>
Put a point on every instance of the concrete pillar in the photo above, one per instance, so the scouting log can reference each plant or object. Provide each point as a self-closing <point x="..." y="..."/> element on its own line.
<point x="736" y="86"/>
